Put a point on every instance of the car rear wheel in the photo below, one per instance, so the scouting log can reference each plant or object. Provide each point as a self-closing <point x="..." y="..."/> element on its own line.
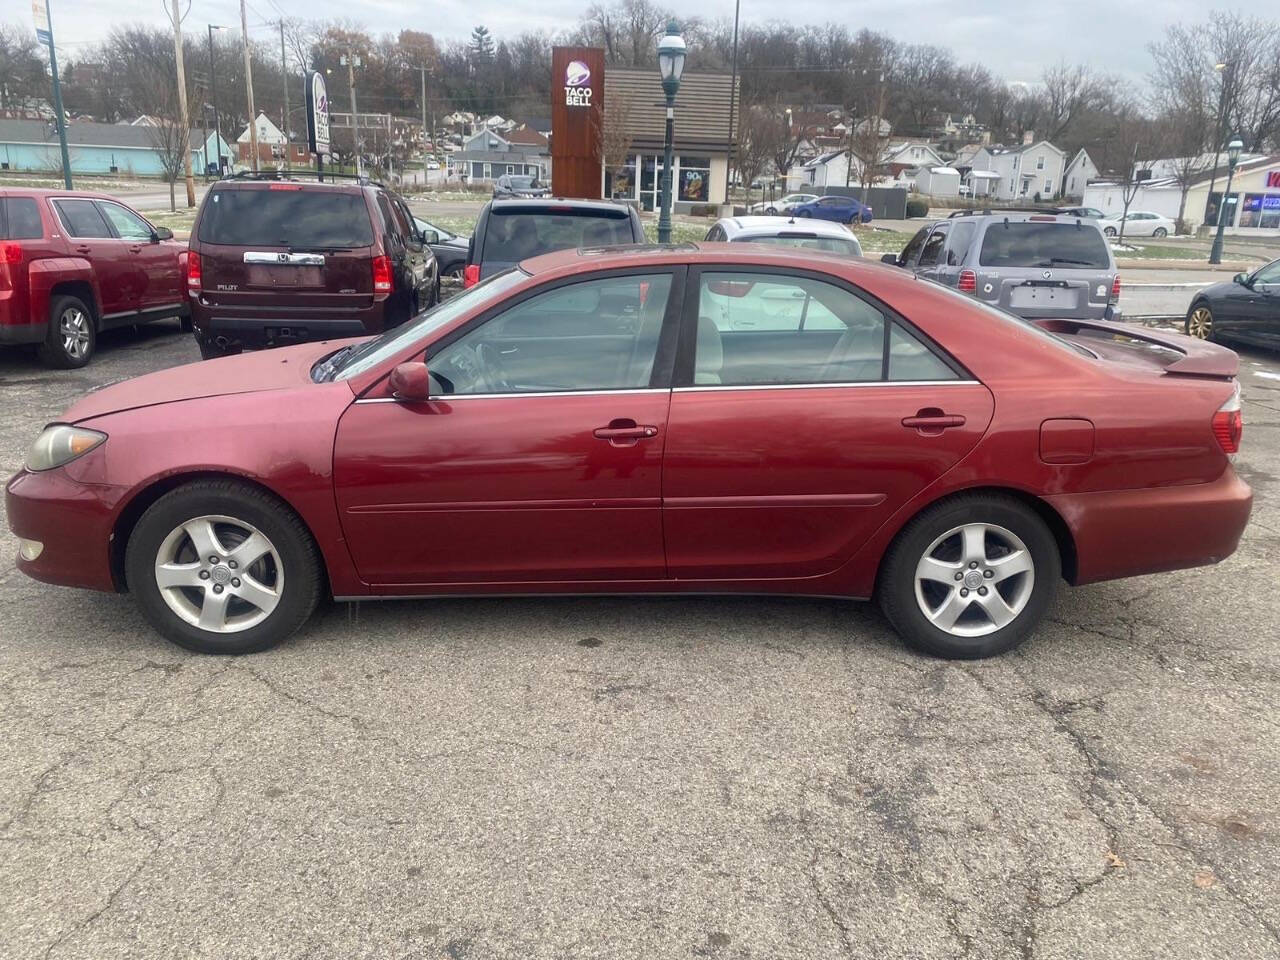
<point x="970" y="577"/>
<point x="1160" y="232"/>
<point x="804" y="214"/>
<point x="772" y="211"/>
<point x="71" y="338"/>
<point x="223" y="567"/>
<point x="1109" y="231"/>
<point x="1200" y="322"/>
<point x="211" y="351"/>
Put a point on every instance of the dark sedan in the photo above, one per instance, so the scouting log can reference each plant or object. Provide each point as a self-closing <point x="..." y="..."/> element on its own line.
<point x="1247" y="309"/>
<point x="449" y="248"/>
<point x="511" y="186"/>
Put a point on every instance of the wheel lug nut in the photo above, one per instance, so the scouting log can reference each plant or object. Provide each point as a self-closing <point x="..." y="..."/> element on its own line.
<point x="232" y="564"/>
<point x="235" y="581"/>
<point x="988" y="574"/>
<point x="964" y="592"/>
<point x="959" y="576"/>
<point x="217" y="588"/>
<point x="213" y="560"/>
<point x="973" y="564"/>
<point x="982" y="591"/>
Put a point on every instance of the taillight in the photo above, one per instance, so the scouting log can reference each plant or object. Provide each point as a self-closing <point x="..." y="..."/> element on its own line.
<point x="10" y="252"/>
<point x="471" y="275"/>
<point x="968" y="281"/>
<point x="195" y="278"/>
<point x="381" y="274"/>
<point x="1228" y="424"/>
<point x="1115" y="289"/>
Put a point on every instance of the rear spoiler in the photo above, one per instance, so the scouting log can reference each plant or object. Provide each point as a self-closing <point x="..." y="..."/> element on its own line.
<point x="1198" y="358"/>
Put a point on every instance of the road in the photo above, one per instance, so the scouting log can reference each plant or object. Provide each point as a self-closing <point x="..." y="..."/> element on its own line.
<point x="601" y="778"/>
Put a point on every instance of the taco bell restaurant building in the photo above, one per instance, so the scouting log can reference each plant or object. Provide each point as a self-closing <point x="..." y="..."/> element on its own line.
<point x="701" y="141"/>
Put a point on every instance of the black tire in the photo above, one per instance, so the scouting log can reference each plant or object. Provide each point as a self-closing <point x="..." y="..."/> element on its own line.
<point x="211" y="351"/>
<point x="188" y="324"/>
<point x="1109" y="231"/>
<point x="772" y="211"/>
<point x="804" y="214"/>
<point x="54" y="350"/>
<point x="896" y="589"/>
<point x="303" y="577"/>
<point x="1160" y="233"/>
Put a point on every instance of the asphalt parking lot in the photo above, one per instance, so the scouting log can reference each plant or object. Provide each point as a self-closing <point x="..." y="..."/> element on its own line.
<point x="643" y="778"/>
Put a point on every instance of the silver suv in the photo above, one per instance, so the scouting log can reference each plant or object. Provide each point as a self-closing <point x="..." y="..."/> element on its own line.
<point x="1031" y="264"/>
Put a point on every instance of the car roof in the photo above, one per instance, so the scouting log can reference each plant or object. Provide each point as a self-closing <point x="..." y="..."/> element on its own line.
<point x="551" y="203"/>
<point x="762" y="226"/>
<point x="1015" y="216"/>
<point x="270" y="183"/>
<point x="16" y="191"/>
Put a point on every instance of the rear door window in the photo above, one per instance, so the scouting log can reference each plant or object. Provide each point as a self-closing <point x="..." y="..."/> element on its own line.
<point x="82" y="219"/>
<point x="1037" y="244"/>
<point x="518" y="235"/>
<point x="313" y="219"/>
<point x="960" y="241"/>
<point x="20" y="219"/>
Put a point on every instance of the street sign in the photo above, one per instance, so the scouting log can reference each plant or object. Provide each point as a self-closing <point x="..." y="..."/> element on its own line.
<point x="317" y="114"/>
<point x="40" y="14"/>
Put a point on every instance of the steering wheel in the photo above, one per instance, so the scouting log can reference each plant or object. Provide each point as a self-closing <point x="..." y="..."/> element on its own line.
<point x="491" y="368"/>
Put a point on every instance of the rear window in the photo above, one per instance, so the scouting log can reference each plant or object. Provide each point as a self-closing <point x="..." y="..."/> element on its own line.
<point x="515" y="236"/>
<point x="847" y="247"/>
<point x="297" y="218"/>
<point x="19" y="219"/>
<point x="1032" y="244"/>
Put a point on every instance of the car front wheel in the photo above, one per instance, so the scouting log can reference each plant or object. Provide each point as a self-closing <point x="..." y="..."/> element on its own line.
<point x="1109" y="231"/>
<point x="1199" y="322"/>
<point x="219" y="566"/>
<point x="804" y="214"/>
<point x="970" y="577"/>
<point x="1160" y="232"/>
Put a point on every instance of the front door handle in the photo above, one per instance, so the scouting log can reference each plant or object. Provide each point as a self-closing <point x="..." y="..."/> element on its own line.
<point x="83" y="248"/>
<point x="931" y="421"/>
<point x="625" y="433"/>
<point x="135" y="249"/>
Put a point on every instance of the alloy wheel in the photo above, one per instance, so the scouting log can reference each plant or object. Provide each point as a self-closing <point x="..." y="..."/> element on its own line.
<point x="73" y="327"/>
<point x="1200" y="323"/>
<point x="975" y="579"/>
<point x="219" y="574"/>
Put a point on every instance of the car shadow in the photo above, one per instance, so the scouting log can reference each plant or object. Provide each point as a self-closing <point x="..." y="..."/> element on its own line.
<point x="23" y="360"/>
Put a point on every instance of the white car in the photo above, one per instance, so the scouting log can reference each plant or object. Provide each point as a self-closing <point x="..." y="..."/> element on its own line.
<point x="782" y="204"/>
<point x="824" y="236"/>
<point x="1138" y="223"/>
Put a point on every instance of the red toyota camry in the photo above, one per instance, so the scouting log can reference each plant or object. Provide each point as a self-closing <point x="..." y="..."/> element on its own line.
<point x="713" y="419"/>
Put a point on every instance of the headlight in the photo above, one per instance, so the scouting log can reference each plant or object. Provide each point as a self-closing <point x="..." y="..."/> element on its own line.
<point x="61" y="444"/>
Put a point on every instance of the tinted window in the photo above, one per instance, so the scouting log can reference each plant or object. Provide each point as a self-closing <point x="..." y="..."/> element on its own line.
<point x="910" y="359"/>
<point x="522" y="183"/>
<point x="913" y="246"/>
<point x="774" y="329"/>
<point x="19" y="219"/>
<point x="129" y="225"/>
<point x="596" y="335"/>
<point x="516" y="236"/>
<point x="933" y="247"/>
<point x="1268" y="274"/>
<point x="288" y="217"/>
<point x="82" y="218"/>
<point x="847" y="247"/>
<point x="1031" y="244"/>
<point x="961" y="240"/>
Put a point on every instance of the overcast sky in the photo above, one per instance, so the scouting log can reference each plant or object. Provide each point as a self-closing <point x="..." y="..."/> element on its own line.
<point x="1011" y="37"/>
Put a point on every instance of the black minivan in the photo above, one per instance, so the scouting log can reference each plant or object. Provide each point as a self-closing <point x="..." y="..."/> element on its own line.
<point x="509" y="231"/>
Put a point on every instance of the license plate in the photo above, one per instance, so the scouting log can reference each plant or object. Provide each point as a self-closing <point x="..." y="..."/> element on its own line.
<point x="284" y="275"/>
<point x="1044" y="297"/>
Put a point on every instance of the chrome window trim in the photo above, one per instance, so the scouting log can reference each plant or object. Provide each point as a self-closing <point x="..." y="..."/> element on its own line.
<point x="819" y="386"/>
<point x="450" y="397"/>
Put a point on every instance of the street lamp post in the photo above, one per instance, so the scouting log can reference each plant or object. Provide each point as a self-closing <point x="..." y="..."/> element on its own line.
<point x="213" y="95"/>
<point x="1222" y="67"/>
<point x="351" y="61"/>
<point x="1233" y="157"/>
<point x="671" y="53"/>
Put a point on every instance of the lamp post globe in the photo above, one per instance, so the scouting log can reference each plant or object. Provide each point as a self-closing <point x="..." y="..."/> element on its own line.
<point x="1234" y="149"/>
<point x="671" y="54"/>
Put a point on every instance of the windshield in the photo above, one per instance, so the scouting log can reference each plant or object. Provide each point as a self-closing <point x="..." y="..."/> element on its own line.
<point x="1037" y="244"/>
<point x="424" y="226"/>
<point x="372" y="352"/>
<point x="315" y="219"/>
<point x="520" y="234"/>
<point x="523" y="183"/>
<point x="842" y="245"/>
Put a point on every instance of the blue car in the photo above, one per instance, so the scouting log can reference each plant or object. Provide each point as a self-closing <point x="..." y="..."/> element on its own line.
<point x="839" y="209"/>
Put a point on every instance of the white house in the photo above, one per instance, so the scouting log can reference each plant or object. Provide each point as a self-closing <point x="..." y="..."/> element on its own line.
<point x="1079" y="172"/>
<point x="828" y="170"/>
<point x="938" y="181"/>
<point x="910" y="154"/>
<point x="268" y="132"/>
<point x="1026" y="171"/>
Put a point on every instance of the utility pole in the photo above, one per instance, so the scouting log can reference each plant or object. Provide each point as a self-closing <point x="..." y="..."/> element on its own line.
<point x="733" y="109"/>
<point x="184" y="135"/>
<point x="213" y="95"/>
<point x="351" y="61"/>
<point x="426" y="131"/>
<point x="284" y="73"/>
<point x="248" y="87"/>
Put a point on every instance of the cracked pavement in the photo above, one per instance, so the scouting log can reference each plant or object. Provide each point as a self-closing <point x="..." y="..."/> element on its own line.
<point x="643" y="778"/>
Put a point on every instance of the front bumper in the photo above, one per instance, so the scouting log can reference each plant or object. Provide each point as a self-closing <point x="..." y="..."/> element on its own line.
<point x="73" y="520"/>
<point x="16" y="333"/>
<point x="1126" y="533"/>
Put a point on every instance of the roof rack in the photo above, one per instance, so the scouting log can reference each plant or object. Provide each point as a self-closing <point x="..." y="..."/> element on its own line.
<point x="988" y="211"/>
<point x="289" y="173"/>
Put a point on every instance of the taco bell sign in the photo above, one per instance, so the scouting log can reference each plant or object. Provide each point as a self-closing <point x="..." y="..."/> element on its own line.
<point x="577" y="84"/>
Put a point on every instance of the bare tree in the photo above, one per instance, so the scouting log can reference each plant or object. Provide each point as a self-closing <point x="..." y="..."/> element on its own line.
<point x="615" y="137"/>
<point x="169" y="140"/>
<point x="758" y="142"/>
<point x="22" y="73"/>
<point x="1068" y="93"/>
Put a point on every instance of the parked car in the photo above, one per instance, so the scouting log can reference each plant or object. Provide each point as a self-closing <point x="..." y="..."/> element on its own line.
<point x="276" y="260"/>
<point x="508" y="231"/>
<point x="1138" y="223"/>
<point x="512" y="185"/>
<point x="809" y="234"/>
<point x="781" y="205"/>
<point x="1247" y="309"/>
<point x="839" y="209"/>
<point x="1089" y="213"/>
<point x="1033" y="265"/>
<point x="450" y="250"/>
<point x="73" y="264"/>
<point x="583" y="425"/>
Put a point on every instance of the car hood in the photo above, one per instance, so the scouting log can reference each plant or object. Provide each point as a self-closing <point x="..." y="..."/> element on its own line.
<point x="244" y="373"/>
<point x="1223" y="289"/>
<point x="460" y="242"/>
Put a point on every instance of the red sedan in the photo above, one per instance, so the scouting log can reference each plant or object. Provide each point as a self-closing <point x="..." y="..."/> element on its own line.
<point x="667" y="420"/>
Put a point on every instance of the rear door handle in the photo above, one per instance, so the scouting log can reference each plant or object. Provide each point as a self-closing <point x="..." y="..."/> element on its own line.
<point x="932" y="422"/>
<point x="83" y="248"/>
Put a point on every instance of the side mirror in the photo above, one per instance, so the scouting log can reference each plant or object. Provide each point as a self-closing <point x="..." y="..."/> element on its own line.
<point x="161" y="233"/>
<point x="1241" y="278"/>
<point x="889" y="258"/>
<point x="411" y="382"/>
<point x="430" y="236"/>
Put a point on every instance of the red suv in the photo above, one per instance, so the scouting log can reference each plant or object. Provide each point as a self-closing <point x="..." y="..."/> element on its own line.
<point x="276" y="260"/>
<point x="74" y="263"/>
